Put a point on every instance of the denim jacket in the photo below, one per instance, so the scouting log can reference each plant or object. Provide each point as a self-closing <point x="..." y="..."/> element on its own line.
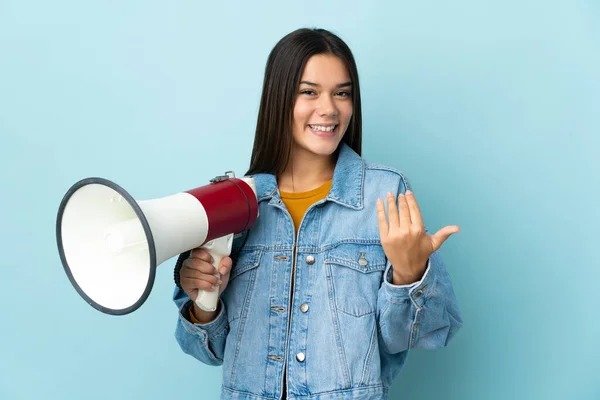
<point x="345" y="331"/>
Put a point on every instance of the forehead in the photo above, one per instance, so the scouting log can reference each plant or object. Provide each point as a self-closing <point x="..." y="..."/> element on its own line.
<point x="325" y="69"/>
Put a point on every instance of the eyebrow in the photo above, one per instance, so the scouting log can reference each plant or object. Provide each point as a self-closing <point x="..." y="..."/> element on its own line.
<point x="341" y="85"/>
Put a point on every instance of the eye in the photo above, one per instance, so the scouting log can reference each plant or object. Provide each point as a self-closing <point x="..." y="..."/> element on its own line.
<point x="344" y="94"/>
<point x="307" y="91"/>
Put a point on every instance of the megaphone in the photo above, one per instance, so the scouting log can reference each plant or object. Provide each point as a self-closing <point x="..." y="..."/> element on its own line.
<point x="111" y="244"/>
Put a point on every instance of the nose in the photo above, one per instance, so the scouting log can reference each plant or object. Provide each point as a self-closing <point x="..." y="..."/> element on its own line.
<point x="326" y="107"/>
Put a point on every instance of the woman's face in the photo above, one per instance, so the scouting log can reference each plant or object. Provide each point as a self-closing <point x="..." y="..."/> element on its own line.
<point x="323" y="105"/>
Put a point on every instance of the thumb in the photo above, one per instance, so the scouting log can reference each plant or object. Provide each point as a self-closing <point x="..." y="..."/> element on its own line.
<point x="224" y="270"/>
<point x="442" y="235"/>
<point x="225" y="265"/>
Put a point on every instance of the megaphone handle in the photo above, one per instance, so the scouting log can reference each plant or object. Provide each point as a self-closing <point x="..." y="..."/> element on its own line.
<point x="218" y="248"/>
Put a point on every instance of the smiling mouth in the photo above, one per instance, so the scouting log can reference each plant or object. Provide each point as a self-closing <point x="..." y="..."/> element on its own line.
<point x="323" y="128"/>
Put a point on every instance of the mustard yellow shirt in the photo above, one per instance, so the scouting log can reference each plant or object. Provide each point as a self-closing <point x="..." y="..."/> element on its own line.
<point x="296" y="203"/>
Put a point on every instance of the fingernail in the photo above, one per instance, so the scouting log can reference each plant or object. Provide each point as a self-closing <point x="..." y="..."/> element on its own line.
<point x="408" y="192"/>
<point x="223" y="271"/>
<point x="379" y="202"/>
<point x="389" y="194"/>
<point x="219" y="282"/>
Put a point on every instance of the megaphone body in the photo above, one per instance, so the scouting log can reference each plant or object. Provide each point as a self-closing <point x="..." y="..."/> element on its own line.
<point x="111" y="244"/>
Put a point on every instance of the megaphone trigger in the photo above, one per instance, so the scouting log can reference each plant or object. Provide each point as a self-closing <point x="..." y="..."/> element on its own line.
<point x="218" y="248"/>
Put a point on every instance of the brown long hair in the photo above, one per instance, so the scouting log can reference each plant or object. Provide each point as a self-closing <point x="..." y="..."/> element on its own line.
<point x="273" y="139"/>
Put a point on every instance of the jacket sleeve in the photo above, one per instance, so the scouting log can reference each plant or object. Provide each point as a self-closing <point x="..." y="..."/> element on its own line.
<point x="205" y="342"/>
<point x="421" y="315"/>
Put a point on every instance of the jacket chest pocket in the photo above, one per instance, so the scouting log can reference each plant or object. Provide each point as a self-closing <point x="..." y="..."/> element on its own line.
<point x="355" y="273"/>
<point x="240" y="288"/>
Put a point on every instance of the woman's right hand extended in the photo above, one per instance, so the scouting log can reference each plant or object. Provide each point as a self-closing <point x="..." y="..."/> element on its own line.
<point x="197" y="273"/>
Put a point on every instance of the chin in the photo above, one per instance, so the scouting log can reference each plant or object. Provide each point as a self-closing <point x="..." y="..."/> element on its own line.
<point x="322" y="149"/>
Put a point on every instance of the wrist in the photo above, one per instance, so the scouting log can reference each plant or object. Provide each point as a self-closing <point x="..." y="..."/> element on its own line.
<point x="200" y="316"/>
<point x="406" y="278"/>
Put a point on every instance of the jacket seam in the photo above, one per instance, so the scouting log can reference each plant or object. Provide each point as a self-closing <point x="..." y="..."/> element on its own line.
<point x="312" y="249"/>
<point x="366" y="375"/>
<point x="360" y="315"/>
<point x="343" y="391"/>
<point x="336" y="327"/>
<point x="229" y="389"/>
<point x="242" y="323"/>
<point x="414" y="329"/>
<point x="312" y="395"/>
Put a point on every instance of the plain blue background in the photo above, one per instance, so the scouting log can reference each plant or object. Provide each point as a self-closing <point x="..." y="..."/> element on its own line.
<point x="492" y="109"/>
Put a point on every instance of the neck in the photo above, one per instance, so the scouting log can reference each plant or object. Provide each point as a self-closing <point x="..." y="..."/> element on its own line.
<point x="306" y="171"/>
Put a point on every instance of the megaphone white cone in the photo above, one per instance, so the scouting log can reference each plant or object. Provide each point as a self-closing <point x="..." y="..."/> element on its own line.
<point x="110" y="244"/>
<point x="92" y="246"/>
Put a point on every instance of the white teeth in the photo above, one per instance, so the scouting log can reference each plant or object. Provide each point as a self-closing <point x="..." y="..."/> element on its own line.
<point x="323" y="128"/>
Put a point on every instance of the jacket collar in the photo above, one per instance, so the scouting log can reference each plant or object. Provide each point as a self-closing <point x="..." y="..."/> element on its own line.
<point x="346" y="187"/>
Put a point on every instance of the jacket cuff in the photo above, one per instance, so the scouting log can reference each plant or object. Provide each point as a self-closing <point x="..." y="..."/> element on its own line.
<point x="216" y="327"/>
<point x="417" y="292"/>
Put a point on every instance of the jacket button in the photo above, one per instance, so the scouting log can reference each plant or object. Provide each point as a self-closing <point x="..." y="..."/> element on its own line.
<point x="300" y="357"/>
<point x="304" y="307"/>
<point x="310" y="260"/>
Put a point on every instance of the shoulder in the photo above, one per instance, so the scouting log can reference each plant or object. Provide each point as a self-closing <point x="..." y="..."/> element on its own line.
<point x="265" y="184"/>
<point x="377" y="172"/>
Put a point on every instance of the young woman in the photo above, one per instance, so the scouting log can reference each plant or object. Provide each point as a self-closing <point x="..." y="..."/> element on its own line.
<point x="323" y="297"/>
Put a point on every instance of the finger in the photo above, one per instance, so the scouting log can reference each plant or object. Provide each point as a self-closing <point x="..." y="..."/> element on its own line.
<point x="192" y="293"/>
<point x="381" y="219"/>
<point x="440" y="236"/>
<point x="202" y="254"/>
<point x="199" y="281"/>
<point x="193" y="274"/>
<point x="415" y="211"/>
<point x="405" y="220"/>
<point x="394" y="221"/>
<point x="199" y="265"/>
<point x="192" y="289"/>
<point x="225" y="266"/>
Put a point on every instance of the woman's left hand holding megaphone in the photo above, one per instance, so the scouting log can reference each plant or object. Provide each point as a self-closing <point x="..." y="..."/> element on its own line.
<point x="197" y="273"/>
